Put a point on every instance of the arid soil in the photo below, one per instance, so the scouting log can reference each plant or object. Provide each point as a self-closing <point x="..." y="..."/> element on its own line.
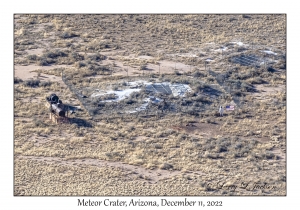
<point x="187" y="152"/>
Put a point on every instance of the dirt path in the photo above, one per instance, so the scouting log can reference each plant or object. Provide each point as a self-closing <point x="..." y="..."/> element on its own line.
<point x="152" y="175"/>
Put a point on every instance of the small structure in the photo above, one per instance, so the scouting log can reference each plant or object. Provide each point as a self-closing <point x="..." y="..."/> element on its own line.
<point x="221" y="111"/>
<point x="248" y="60"/>
<point x="58" y="111"/>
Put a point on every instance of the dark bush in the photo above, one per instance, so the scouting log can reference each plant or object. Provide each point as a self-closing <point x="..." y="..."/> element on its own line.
<point x="42" y="62"/>
<point x="67" y="34"/>
<point x="134" y="95"/>
<point x="17" y="80"/>
<point x="282" y="66"/>
<point x="76" y="56"/>
<point x="238" y="146"/>
<point x="257" y="80"/>
<point x="31" y="82"/>
<point x="221" y="149"/>
<point x="50" y="60"/>
<point x="129" y="101"/>
<point x="269" y="155"/>
<point x="38" y="123"/>
<point x="165" y="166"/>
<point x="246" y="87"/>
<point x="101" y="104"/>
<point x="80" y="64"/>
<point x="55" y="54"/>
<point x="45" y="84"/>
<point x="177" y="73"/>
<point x="246" y="16"/>
<point x="201" y="86"/>
<point x="143" y="67"/>
<point x="238" y="93"/>
<point x="176" y="80"/>
<point x="193" y="112"/>
<point x="271" y="69"/>
<point x="96" y="67"/>
<point x="241" y="49"/>
<point x="97" y="57"/>
<point x="32" y="57"/>
<point x="91" y="67"/>
<point x="236" y="84"/>
<point x="210" y="79"/>
<point x="202" y="99"/>
<point x="198" y="74"/>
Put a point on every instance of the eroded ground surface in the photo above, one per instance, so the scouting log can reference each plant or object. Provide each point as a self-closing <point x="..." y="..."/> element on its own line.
<point x="187" y="152"/>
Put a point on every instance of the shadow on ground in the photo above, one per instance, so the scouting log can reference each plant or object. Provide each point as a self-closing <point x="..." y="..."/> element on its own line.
<point x="80" y="122"/>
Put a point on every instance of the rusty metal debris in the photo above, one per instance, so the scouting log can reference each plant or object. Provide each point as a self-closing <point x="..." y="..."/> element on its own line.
<point x="58" y="111"/>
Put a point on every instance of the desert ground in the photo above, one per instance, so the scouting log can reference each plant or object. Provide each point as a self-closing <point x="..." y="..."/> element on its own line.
<point x="118" y="141"/>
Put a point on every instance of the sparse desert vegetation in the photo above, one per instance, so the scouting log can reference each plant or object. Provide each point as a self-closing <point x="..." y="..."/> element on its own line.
<point x="150" y="142"/>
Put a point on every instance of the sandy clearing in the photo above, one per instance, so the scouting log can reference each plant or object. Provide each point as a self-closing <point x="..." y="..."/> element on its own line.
<point x="164" y="66"/>
<point x="187" y="55"/>
<point x="24" y="72"/>
<point x="119" y="68"/>
<point x="169" y="67"/>
<point x="264" y="90"/>
<point x="40" y="27"/>
<point x="38" y="51"/>
<point x="153" y="175"/>
<point x="204" y="129"/>
<point x="112" y="52"/>
<point x="145" y="57"/>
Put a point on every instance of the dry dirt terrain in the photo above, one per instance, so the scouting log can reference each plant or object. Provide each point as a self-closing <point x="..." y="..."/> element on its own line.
<point x="123" y="144"/>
